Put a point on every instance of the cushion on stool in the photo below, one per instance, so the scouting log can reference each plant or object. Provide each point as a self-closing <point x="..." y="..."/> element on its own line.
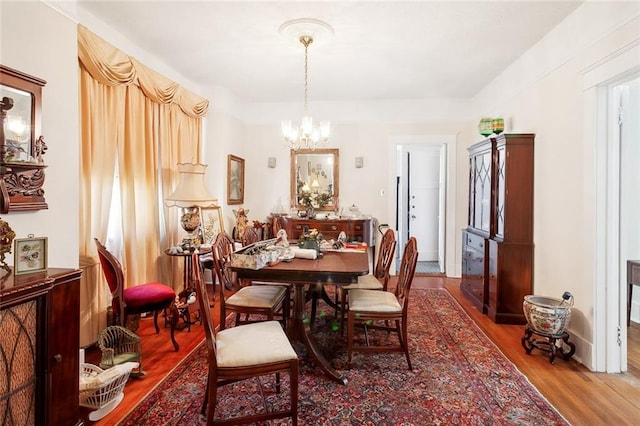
<point x="144" y="296"/>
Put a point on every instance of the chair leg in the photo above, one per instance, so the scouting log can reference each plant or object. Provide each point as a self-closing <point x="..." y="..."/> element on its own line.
<point x="405" y="342"/>
<point x="293" y="378"/>
<point x="351" y="326"/>
<point x="174" y="322"/>
<point x="155" y="321"/>
<point x="213" y="396"/>
<point x="205" y="401"/>
<point x="343" y="308"/>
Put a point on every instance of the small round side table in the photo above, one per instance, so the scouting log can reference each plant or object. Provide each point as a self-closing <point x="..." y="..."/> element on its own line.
<point x="190" y="313"/>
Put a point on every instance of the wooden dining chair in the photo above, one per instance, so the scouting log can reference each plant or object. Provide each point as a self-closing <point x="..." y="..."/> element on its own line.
<point x="376" y="281"/>
<point x="370" y="307"/>
<point x="242" y="352"/>
<point x="153" y="297"/>
<point x="268" y="300"/>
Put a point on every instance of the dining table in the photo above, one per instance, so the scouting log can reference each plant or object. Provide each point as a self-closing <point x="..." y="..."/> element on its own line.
<point x="330" y="267"/>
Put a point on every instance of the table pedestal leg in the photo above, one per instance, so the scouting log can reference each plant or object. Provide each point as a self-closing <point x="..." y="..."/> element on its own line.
<point x="300" y="332"/>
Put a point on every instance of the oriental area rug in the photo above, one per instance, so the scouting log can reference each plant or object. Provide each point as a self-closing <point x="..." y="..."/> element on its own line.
<point x="459" y="377"/>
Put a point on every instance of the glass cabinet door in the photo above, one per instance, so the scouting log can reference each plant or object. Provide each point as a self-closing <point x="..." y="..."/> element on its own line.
<point x="480" y="214"/>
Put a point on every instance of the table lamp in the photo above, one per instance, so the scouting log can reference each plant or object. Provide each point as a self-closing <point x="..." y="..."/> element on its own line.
<point x="190" y="195"/>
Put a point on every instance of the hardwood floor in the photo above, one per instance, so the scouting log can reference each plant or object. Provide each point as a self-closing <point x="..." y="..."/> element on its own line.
<point x="581" y="396"/>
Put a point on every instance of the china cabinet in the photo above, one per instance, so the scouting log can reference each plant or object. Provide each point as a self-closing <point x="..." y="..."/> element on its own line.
<point x="497" y="245"/>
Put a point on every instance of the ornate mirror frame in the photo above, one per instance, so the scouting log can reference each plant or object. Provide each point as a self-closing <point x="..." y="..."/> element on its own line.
<point x="21" y="144"/>
<point x="319" y="170"/>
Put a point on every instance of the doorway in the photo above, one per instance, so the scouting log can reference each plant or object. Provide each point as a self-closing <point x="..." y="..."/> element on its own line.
<point x="625" y="98"/>
<point x="420" y="205"/>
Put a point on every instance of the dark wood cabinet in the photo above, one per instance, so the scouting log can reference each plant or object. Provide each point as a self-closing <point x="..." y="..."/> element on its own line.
<point x="356" y="229"/>
<point x="497" y="249"/>
<point x="40" y="316"/>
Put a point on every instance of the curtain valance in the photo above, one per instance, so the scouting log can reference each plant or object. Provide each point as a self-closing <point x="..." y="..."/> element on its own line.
<point x="112" y="67"/>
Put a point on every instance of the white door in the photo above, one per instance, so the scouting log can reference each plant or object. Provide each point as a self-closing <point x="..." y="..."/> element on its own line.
<point x="424" y="200"/>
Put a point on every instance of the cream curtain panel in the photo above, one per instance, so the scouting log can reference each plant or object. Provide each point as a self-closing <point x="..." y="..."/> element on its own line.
<point x="145" y="124"/>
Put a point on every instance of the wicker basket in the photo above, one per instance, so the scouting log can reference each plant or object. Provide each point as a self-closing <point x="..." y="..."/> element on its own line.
<point x="105" y="394"/>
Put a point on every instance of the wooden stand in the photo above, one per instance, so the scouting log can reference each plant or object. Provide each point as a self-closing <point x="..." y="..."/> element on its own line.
<point x="548" y="344"/>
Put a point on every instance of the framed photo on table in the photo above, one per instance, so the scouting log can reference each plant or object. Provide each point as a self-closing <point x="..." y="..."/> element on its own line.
<point x="235" y="180"/>
<point x="30" y="255"/>
<point x="211" y="222"/>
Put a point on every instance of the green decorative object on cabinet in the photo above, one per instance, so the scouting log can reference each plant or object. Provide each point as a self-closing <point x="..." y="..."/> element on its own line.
<point x="485" y="127"/>
<point x="498" y="125"/>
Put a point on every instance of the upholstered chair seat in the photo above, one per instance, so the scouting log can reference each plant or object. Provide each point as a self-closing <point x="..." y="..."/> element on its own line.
<point x="237" y="345"/>
<point x="147" y="297"/>
<point x="263" y="296"/>
<point x="373" y="301"/>
<point x="365" y="282"/>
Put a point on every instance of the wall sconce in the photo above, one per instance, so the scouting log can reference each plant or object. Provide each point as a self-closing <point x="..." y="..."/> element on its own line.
<point x="190" y="194"/>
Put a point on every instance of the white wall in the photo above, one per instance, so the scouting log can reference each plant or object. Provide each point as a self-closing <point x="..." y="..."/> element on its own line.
<point x="39" y="41"/>
<point x="542" y="93"/>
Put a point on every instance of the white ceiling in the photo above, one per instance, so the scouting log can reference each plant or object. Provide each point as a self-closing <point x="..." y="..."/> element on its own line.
<point x="381" y="50"/>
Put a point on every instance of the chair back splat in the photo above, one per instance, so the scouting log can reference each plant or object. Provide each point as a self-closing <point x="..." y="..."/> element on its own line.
<point x="232" y="358"/>
<point x="385" y="257"/>
<point x="153" y="297"/>
<point x="406" y="273"/>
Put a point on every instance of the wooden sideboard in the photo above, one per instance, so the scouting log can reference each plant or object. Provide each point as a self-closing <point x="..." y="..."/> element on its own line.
<point x="357" y="230"/>
<point x="40" y="317"/>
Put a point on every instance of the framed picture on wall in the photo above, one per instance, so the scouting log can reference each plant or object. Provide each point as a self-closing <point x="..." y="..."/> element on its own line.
<point x="211" y="222"/>
<point x="30" y="255"/>
<point x="235" y="180"/>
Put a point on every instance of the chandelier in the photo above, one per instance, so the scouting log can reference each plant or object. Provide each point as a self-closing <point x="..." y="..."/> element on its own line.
<point x="305" y="135"/>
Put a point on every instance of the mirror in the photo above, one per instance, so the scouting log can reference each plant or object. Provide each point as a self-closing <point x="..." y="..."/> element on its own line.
<point x="315" y="175"/>
<point x="21" y="121"/>
<point x="17" y="124"/>
<point x="21" y="145"/>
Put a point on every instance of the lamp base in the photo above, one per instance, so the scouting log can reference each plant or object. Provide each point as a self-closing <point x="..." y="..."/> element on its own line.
<point x="190" y="222"/>
<point x="189" y="244"/>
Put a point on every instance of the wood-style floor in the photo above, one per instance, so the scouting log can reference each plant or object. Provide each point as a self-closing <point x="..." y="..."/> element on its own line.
<point x="581" y="396"/>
